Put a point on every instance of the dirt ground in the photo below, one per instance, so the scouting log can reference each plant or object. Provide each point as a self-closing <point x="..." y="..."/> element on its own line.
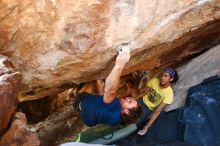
<point x="62" y="125"/>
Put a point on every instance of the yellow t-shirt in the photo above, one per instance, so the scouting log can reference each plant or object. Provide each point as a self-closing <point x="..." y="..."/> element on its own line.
<point x="157" y="95"/>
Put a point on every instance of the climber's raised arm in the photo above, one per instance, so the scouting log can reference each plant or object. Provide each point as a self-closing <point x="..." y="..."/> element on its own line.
<point x="112" y="81"/>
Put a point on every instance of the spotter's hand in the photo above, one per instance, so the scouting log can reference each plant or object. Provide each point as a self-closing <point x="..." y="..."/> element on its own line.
<point x="143" y="131"/>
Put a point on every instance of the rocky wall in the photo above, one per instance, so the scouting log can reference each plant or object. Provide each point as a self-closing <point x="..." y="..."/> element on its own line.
<point x="57" y="44"/>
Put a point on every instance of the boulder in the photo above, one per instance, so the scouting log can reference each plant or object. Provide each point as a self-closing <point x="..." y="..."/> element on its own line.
<point x="193" y="73"/>
<point x="19" y="133"/>
<point x="10" y="81"/>
<point x="57" y="44"/>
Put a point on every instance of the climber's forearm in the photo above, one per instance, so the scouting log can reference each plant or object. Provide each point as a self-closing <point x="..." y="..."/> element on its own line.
<point x="112" y="83"/>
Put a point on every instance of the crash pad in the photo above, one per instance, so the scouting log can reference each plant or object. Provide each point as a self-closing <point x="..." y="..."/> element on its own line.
<point x="196" y="124"/>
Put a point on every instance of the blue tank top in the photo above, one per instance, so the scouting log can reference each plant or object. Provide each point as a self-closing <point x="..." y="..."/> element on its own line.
<point x="94" y="111"/>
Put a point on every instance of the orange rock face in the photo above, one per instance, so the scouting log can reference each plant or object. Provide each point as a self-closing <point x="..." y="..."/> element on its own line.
<point x="10" y="82"/>
<point x="19" y="133"/>
<point x="57" y="43"/>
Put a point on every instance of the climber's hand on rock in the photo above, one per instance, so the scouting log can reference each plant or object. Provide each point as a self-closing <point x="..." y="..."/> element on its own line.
<point x="123" y="56"/>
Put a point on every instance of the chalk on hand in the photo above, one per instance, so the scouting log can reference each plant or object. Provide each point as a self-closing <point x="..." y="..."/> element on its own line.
<point x="124" y="49"/>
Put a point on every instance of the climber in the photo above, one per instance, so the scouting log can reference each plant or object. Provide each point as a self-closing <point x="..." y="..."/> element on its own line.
<point x="156" y="96"/>
<point x="97" y="100"/>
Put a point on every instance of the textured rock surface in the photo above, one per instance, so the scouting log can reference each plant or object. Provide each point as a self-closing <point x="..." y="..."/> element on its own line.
<point x="55" y="42"/>
<point x="60" y="126"/>
<point x="19" y="133"/>
<point x="10" y="82"/>
<point x="194" y="72"/>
